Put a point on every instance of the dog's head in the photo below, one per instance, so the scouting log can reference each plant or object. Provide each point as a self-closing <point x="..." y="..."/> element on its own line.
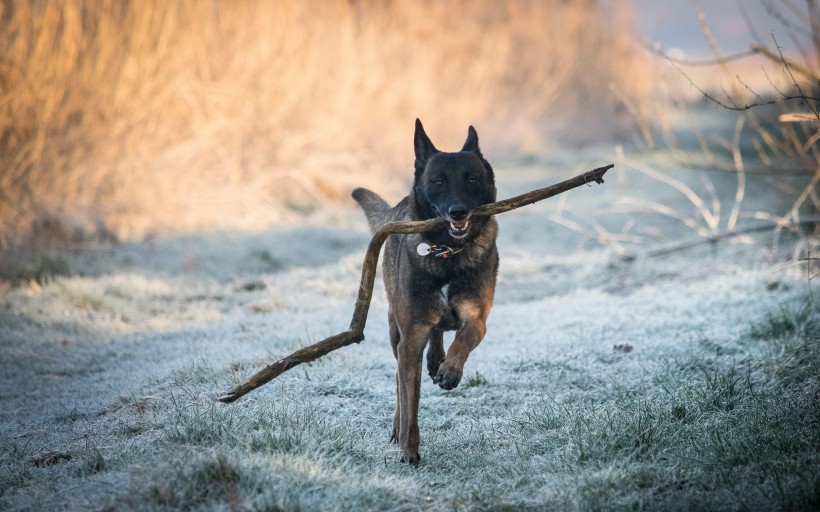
<point x="452" y="185"/>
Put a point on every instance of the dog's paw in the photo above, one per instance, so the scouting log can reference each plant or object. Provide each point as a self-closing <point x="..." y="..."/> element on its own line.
<point x="434" y="360"/>
<point x="410" y="458"/>
<point x="447" y="376"/>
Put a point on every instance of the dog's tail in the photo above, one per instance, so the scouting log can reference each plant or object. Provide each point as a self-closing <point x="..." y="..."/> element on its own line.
<point x="376" y="209"/>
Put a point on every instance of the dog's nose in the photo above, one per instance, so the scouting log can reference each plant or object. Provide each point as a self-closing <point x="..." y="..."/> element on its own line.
<point x="458" y="212"/>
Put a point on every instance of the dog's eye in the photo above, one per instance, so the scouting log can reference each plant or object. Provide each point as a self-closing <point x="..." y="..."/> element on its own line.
<point x="438" y="182"/>
<point x="472" y="180"/>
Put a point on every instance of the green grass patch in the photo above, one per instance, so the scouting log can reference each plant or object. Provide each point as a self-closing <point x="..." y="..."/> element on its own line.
<point x="787" y="320"/>
<point x="41" y="268"/>
<point x="474" y="380"/>
<point x="201" y="479"/>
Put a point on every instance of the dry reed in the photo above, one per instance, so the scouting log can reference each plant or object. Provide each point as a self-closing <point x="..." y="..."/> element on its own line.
<point x="128" y="118"/>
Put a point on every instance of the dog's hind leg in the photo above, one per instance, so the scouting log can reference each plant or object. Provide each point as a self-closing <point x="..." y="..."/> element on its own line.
<point x="395" y="338"/>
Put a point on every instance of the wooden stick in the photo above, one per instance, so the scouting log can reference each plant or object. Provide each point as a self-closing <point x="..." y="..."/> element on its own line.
<point x="355" y="332"/>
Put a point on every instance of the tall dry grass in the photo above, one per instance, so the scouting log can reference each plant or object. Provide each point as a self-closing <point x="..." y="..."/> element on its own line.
<point x="133" y="117"/>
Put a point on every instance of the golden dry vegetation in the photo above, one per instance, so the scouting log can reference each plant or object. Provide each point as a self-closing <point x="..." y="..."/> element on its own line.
<point x="127" y="118"/>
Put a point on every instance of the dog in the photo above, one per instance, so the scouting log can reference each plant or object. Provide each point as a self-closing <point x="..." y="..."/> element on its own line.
<point x="440" y="280"/>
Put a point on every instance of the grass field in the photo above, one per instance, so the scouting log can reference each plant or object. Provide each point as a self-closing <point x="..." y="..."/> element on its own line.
<point x="173" y="217"/>
<point x="675" y="383"/>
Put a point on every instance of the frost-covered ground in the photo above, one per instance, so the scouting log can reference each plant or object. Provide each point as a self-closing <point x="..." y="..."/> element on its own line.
<point x="687" y="381"/>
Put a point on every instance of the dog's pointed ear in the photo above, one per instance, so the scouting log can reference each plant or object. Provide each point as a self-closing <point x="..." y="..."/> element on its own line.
<point x="471" y="144"/>
<point x="422" y="144"/>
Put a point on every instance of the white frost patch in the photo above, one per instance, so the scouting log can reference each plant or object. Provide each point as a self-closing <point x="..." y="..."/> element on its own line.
<point x="128" y="362"/>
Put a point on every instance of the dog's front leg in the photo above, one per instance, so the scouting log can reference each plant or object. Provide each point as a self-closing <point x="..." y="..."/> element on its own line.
<point x="410" y="351"/>
<point x="473" y="326"/>
<point x="435" y="352"/>
<point x="395" y="338"/>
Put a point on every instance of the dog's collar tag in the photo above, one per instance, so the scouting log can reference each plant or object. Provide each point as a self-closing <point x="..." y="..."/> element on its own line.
<point x="439" y="251"/>
<point x="423" y="249"/>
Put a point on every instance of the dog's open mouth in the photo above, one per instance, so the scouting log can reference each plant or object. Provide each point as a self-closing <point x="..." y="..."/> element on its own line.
<point x="459" y="229"/>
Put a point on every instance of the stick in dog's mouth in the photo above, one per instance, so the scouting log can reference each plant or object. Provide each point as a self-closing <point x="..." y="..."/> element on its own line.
<point x="355" y="332"/>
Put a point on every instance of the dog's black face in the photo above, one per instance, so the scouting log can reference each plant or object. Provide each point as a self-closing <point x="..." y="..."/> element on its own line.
<point x="452" y="185"/>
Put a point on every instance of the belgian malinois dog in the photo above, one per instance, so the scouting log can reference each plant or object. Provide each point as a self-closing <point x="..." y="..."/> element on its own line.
<point x="440" y="280"/>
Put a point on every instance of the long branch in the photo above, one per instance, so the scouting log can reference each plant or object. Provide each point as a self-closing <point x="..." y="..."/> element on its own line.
<point x="355" y="332"/>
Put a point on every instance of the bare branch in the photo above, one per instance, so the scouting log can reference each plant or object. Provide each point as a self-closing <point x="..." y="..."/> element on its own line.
<point x="748" y="106"/>
<point x="779" y="58"/>
<point x="706" y="62"/>
<point x="711" y="239"/>
<point x="789" y="69"/>
<point x="756" y="49"/>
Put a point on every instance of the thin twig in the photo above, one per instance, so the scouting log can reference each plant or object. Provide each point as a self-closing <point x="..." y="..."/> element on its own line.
<point x="748" y="106"/>
<point x="755" y="50"/>
<point x="705" y="62"/>
<point x="355" y="332"/>
<point x="789" y="66"/>
<point x="779" y="58"/>
<point x="664" y="251"/>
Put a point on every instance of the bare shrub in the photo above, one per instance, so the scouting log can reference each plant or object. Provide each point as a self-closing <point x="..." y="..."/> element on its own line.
<point x="790" y="138"/>
<point x="770" y="93"/>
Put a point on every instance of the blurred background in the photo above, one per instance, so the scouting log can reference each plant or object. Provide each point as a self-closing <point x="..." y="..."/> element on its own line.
<point x="122" y="119"/>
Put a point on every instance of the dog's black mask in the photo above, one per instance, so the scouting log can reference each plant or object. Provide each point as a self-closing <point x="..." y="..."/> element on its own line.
<point x="451" y="185"/>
